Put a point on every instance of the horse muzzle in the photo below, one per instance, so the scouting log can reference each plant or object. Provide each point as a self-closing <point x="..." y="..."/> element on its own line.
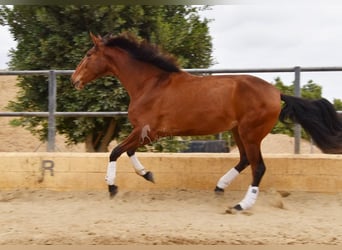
<point x="76" y="82"/>
<point x="78" y="85"/>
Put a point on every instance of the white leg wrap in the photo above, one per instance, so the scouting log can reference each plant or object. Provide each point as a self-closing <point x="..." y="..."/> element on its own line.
<point x="250" y="197"/>
<point x="111" y="173"/>
<point x="139" y="168"/>
<point x="227" y="178"/>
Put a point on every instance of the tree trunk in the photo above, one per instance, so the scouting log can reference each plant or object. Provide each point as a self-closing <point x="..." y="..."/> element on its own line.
<point x="102" y="140"/>
<point x="108" y="136"/>
<point x="89" y="145"/>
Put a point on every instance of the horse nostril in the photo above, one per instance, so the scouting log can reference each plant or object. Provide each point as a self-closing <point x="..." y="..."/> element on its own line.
<point x="78" y="85"/>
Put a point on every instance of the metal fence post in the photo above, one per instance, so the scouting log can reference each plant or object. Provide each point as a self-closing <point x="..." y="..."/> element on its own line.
<point x="297" y="127"/>
<point x="52" y="110"/>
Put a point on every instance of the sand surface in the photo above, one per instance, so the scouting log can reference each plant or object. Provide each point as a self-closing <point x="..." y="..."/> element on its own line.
<point x="168" y="217"/>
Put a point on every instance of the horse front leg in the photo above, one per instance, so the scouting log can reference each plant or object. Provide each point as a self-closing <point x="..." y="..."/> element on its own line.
<point x="129" y="145"/>
<point x="138" y="167"/>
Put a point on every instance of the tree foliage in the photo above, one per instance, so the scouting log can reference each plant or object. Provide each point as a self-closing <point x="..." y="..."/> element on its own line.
<point x="57" y="37"/>
<point x="338" y="104"/>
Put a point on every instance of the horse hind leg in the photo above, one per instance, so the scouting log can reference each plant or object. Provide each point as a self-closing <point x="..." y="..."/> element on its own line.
<point x="226" y="179"/>
<point x="258" y="170"/>
<point x="253" y="127"/>
<point x="253" y="190"/>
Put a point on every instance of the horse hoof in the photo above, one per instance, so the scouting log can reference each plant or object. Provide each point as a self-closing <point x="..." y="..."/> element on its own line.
<point x="149" y="176"/>
<point x="231" y="210"/>
<point x="113" y="190"/>
<point x="234" y="210"/>
<point x="219" y="191"/>
<point x="238" y="210"/>
<point x="238" y="207"/>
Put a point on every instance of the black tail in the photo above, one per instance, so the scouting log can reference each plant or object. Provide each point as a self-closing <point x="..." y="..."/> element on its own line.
<point x="319" y="118"/>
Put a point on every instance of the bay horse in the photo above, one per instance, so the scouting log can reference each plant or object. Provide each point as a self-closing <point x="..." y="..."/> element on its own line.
<point x="167" y="101"/>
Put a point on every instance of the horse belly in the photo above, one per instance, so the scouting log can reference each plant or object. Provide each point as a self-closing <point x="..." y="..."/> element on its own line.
<point x="197" y="118"/>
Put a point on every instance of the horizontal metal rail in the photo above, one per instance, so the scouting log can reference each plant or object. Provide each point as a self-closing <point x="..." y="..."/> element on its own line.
<point x="35" y="72"/>
<point x="264" y="70"/>
<point x="63" y="114"/>
<point x="199" y="71"/>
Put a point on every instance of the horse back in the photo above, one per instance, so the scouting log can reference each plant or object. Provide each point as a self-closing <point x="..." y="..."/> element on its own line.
<point x="188" y="104"/>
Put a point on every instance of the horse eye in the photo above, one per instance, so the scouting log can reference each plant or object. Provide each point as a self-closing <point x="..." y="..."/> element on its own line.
<point x="88" y="54"/>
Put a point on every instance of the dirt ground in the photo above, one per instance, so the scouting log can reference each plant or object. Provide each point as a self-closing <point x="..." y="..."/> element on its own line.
<point x="168" y="217"/>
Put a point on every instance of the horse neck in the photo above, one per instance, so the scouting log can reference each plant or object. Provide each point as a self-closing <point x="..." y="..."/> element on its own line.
<point x="134" y="75"/>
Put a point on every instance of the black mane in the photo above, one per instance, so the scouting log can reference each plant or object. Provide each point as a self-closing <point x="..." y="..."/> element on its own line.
<point x="143" y="51"/>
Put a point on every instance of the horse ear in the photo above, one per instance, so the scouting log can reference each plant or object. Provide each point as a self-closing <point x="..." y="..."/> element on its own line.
<point x="96" y="40"/>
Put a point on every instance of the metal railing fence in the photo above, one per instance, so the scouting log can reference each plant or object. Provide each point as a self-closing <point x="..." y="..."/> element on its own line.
<point x="52" y="79"/>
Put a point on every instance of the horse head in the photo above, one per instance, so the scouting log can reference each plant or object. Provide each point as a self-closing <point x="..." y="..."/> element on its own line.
<point x="92" y="66"/>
